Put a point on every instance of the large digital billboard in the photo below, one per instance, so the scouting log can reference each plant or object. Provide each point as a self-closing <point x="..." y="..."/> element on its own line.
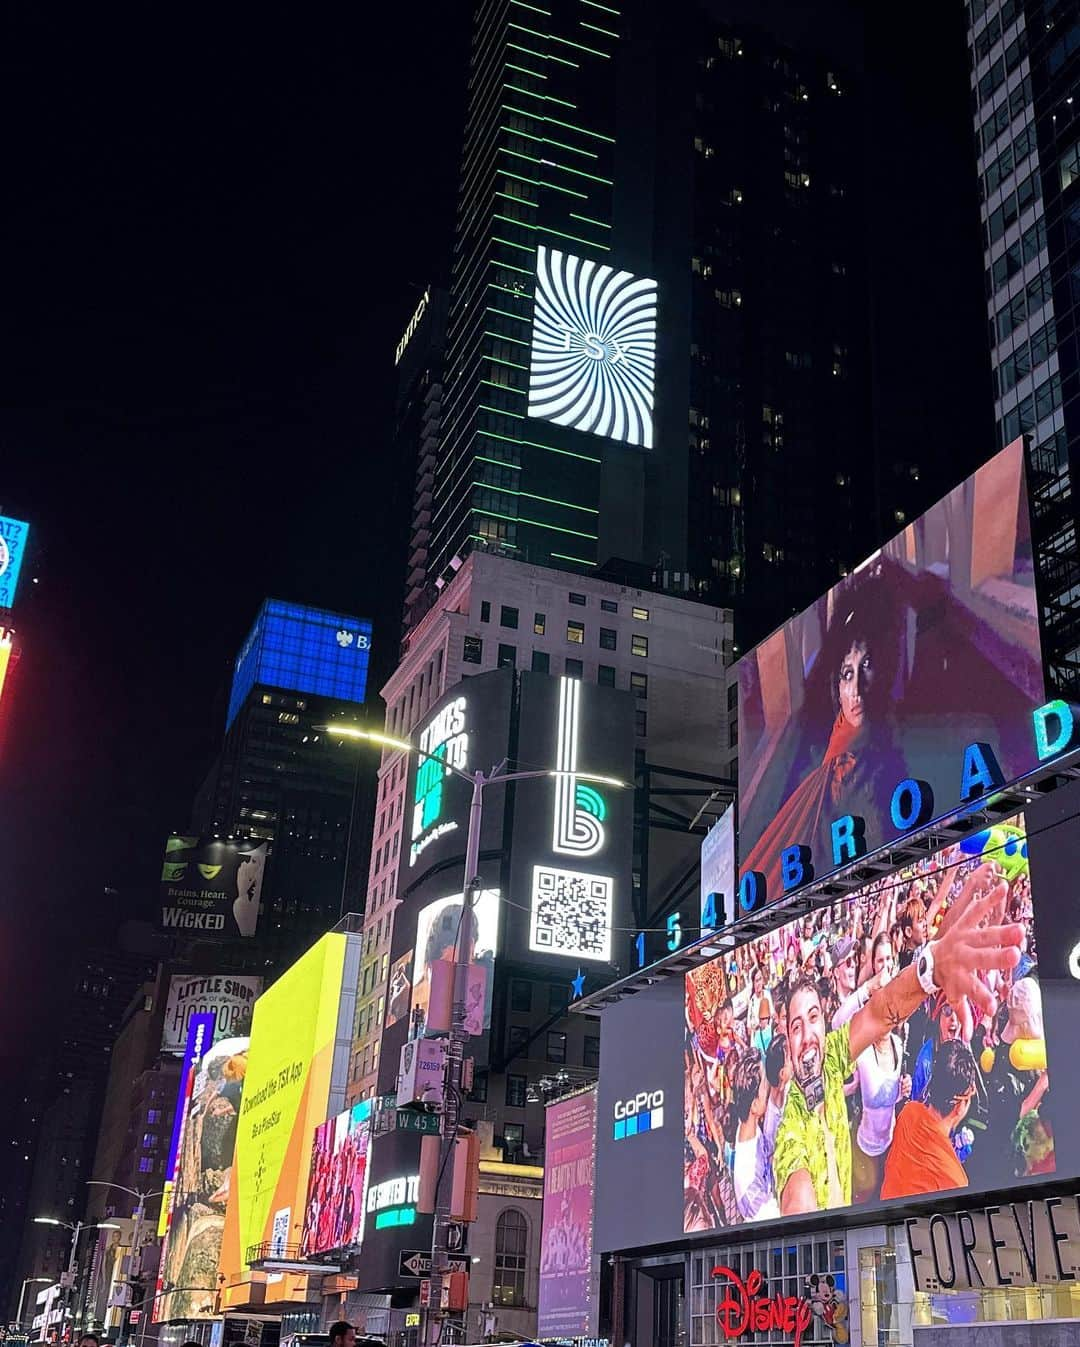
<point x="302" y="649"/>
<point x="902" y="693"/>
<point x="569" y="1273"/>
<point x="13" y="537"/>
<point x="573" y="834"/>
<point x="337" y="1183"/>
<point x="296" y="1074"/>
<point x="229" y="997"/>
<point x="889" y="1046"/>
<point x="593" y="359"/>
<point x="212" y="886"/>
<point x="200" y="1184"/>
<point x="437" y="930"/>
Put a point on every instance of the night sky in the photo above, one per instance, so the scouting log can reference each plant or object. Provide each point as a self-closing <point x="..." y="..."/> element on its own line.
<point x="214" y="231"/>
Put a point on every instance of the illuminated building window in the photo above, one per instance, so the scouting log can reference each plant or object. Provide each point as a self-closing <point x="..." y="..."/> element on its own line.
<point x="541" y="661"/>
<point x="267" y="700"/>
<point x="539" y="624"/>
<point x="288" y="718"/>
<point x="146" y="1165"/>
<point x="641" y="614"/>
<point x="639" y="645"/>
<point x="639" y="684"/>
<point x="515" y="1091"/>
<point x="153" y="1115"/>
<point x="575" y="632"/>
<point x="507" y="656"/>
<point x="473" y="652"/>
<point x="511" y="1251"/>
<point x="574" y="668"/>
<point x="508" y="617"/>
<point x="149" y="1141"/>
<point x="485" y="611"/>
<point x="605" y="676"/>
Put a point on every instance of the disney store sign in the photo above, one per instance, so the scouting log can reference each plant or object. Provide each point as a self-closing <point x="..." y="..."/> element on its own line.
<point x="747" y="1307"/>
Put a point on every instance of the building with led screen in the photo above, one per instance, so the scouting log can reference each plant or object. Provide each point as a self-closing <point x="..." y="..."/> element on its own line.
<point x="280" y="784"/>
<point x="839" y="1111"/>
<point x="301" y="649"/>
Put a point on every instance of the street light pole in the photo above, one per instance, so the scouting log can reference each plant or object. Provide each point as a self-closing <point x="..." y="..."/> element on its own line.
<point x="458" y="1036"/>
<point x="68" y="1279"/>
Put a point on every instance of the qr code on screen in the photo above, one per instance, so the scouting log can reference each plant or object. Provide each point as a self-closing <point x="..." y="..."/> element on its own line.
<point x="571" y="913"/>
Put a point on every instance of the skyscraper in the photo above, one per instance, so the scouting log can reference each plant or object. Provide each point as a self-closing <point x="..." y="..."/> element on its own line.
<point x="658" y="331"/>
<point x="1027" y="131"/>
<point x="279" y="779"/>
<point x="536" y="435"/>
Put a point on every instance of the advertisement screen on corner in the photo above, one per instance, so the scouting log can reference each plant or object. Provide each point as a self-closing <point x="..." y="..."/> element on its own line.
<point x="832" y="1063"/>
<point x="334" y="1217"/>
<point x="929" y="646"/>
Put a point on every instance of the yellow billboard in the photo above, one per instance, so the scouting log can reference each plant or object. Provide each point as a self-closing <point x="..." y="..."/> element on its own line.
<point x="287" y="1094"/>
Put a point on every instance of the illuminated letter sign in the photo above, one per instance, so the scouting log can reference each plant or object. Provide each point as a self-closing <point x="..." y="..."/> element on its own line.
<point x="579" y="809"/>
<point x="13" y="535"/>
<point x="414" y="323"/>
<point x="446" y="740"/>
<point x="643" y="1113"/>
<point x="745" y="1310"/>
<point x="593" y="360"/>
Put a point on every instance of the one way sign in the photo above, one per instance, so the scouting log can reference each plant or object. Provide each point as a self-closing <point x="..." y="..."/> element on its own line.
<point x="417" y="1263"/>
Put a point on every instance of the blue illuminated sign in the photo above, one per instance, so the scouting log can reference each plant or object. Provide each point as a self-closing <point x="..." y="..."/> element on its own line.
<point x="303" y="649"/>
<point x="13" y="536"/>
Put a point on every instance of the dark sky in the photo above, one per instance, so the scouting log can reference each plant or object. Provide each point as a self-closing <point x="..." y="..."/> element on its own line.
<point x="214" y="232"/>
<point x="215" y="226"/>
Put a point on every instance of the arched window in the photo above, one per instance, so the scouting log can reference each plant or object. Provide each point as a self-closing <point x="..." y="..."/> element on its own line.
<point x="511" y="1247"/>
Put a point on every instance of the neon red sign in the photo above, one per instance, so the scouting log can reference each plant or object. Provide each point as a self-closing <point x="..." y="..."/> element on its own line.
<point x="744" y="1310"/>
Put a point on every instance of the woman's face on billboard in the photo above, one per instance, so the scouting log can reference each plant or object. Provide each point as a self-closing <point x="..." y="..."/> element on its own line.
<point x="855" y="680"/>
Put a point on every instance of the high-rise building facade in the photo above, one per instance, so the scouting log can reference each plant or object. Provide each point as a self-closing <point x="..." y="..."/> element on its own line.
<point x="671" y="653"/>
<point x="1024" y="71"/>
<point x="278" y="778"/>
<point x="658" y="327"/>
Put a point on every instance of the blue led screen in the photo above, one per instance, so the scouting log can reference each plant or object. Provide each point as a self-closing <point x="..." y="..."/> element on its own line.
<point x="13" y="536"/>
<point x="303" y="649"/>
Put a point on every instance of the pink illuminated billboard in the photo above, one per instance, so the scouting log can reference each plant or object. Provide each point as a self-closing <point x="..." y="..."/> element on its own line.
<point x="569" y="1276"/>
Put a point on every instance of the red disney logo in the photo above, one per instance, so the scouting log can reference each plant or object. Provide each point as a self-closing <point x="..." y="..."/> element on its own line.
<point x="743" y="1310"/>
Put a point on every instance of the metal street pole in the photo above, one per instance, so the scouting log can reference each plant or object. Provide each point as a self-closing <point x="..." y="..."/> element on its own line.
<point x="455" y="1056"/>
<point x="463" y="955"/>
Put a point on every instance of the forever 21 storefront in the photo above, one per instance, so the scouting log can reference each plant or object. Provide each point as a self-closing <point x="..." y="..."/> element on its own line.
<point x="972" y="1232"/>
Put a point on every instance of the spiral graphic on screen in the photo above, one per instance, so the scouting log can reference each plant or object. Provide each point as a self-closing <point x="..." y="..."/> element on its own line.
<point x="593" y="360"/>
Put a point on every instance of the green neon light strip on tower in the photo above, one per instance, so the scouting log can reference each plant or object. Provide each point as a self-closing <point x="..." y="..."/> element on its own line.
<point x="499" y="462"/>
<point x="532" y="444"/>
<point x="554" y="121"/>
<point x="524" y="70"/>
<point x="528" y="495"/>
<point x="500" y="542"/>
<point x="504" y="313"/>
<point x="533" y="182"/>
<point x="534" y="205"/>
<point x="509" y="266"/>
<point x="521" y="247"/>
<point x="542" y="56"/>
<point x="543" y="229"/>
<point x="593" y="4"/>
<point x="597" y="29"/>
<point x="554" y="37"/>
<point x="580" y="560"/>
<point x="574" y="215"/>
<point x="536" y="523"/>
<point x="498" y="360"/>
<point x="544" y="98"/>
<point x="501" y="336"/>
<point x="535" y="8"/>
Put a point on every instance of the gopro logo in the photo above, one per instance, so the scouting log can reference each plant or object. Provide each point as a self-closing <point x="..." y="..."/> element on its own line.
<point x="643" y="1113"/>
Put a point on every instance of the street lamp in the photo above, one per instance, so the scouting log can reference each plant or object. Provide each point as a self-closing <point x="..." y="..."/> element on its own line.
<point x="135" y="1258"/>
<point x="29" y="1281"/>
<point x="462" y="958"/>
<point x="68" y="1280"/>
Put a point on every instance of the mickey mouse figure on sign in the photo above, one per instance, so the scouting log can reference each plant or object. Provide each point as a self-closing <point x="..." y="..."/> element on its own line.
<point x="829" y="1305"/>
